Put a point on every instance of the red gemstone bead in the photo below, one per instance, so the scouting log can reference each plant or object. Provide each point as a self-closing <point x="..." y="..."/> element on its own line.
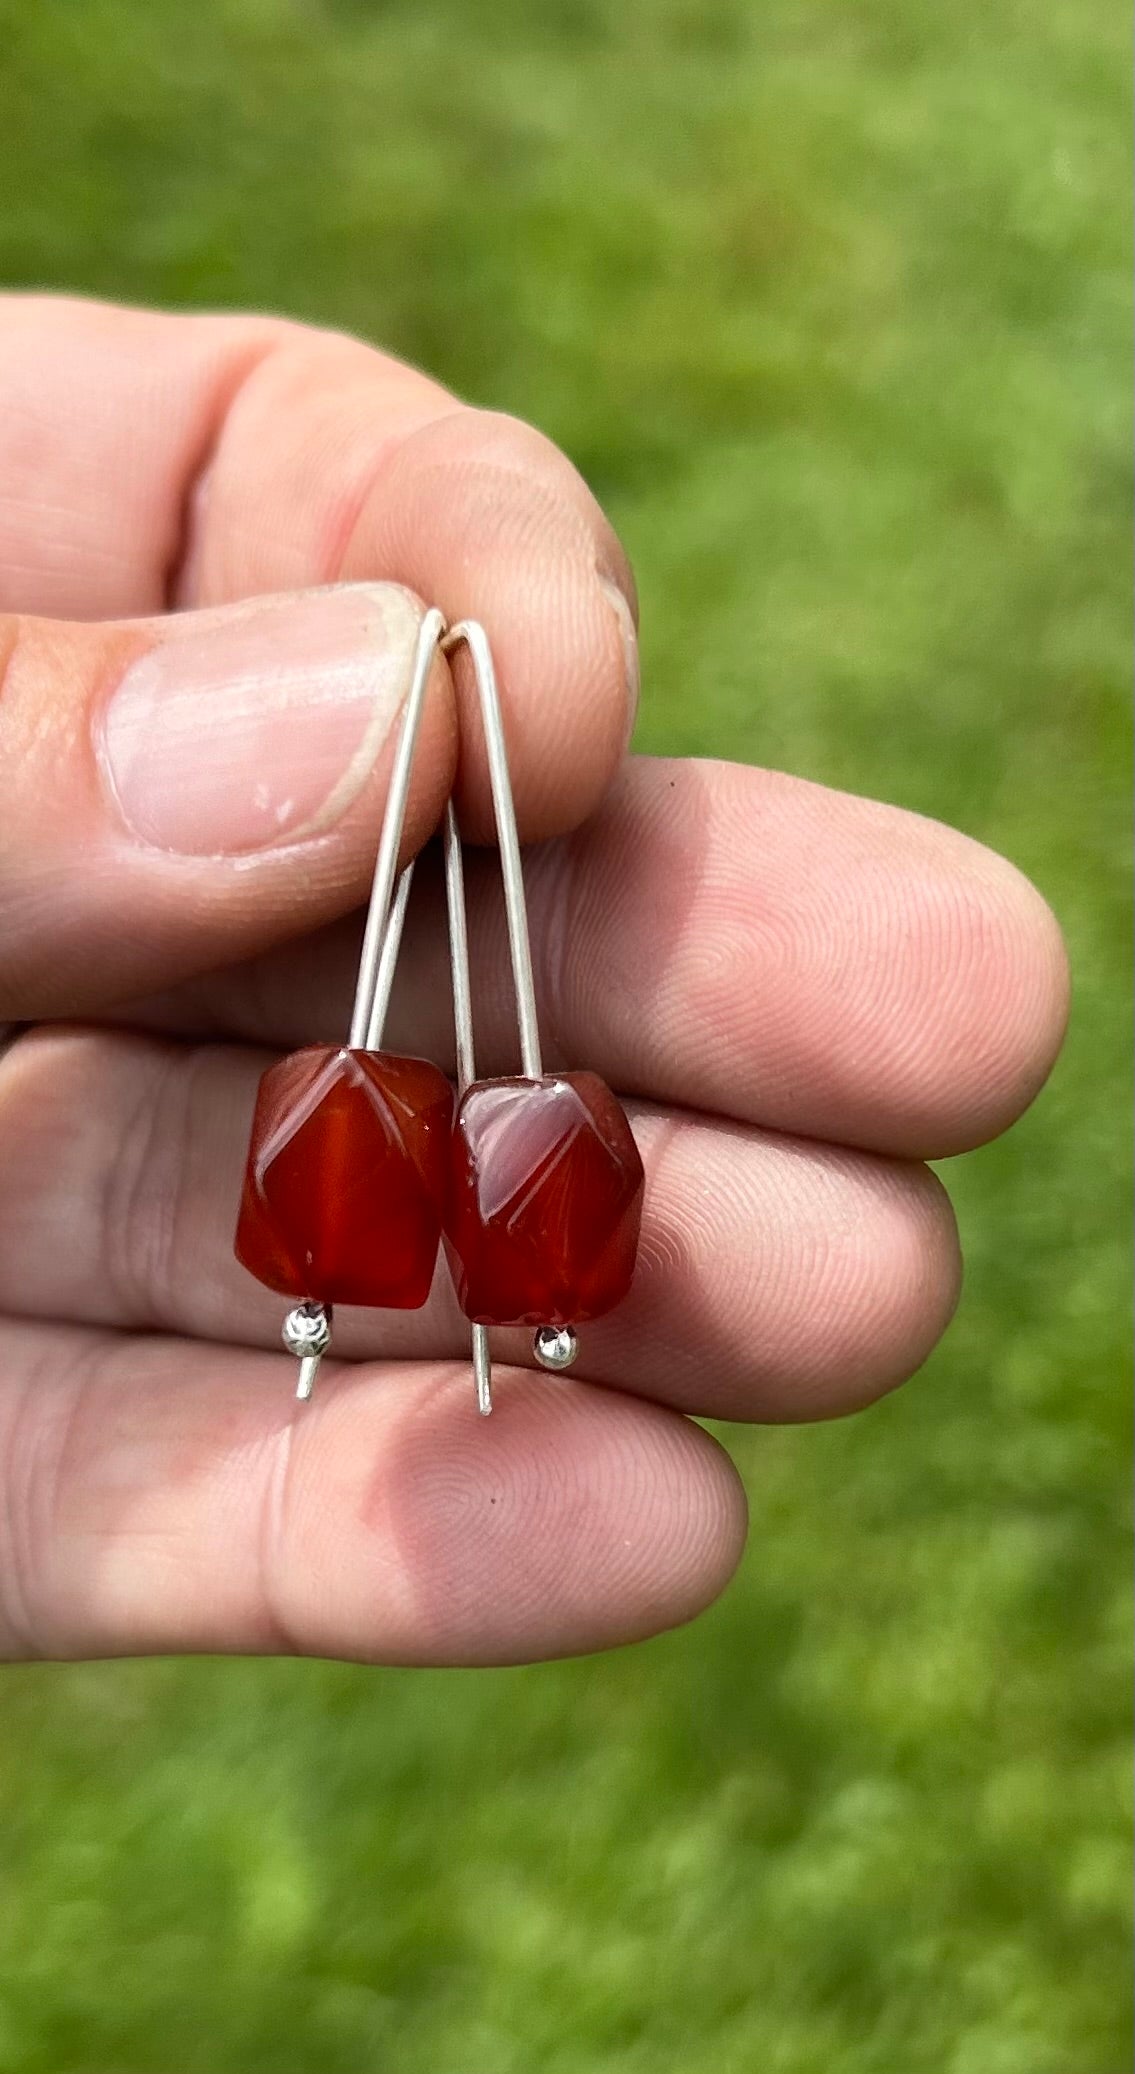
<point x="344" y="1191"/>
<point x="545" y="1201"/>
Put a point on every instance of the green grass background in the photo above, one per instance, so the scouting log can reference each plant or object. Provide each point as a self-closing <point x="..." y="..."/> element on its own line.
<point x="829" y="300"/>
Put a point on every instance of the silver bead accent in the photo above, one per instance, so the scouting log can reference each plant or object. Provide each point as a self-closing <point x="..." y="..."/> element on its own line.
<point x="307" y="1330"/>
<point x="555" y="1347"/>
<point x="307" y="1335"/>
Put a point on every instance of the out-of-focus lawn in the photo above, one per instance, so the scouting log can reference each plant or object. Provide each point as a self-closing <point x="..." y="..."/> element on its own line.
<point x="830" y="303"/>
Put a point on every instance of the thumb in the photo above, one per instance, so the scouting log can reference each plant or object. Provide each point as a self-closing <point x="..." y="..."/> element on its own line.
<point x="182" y="792"/>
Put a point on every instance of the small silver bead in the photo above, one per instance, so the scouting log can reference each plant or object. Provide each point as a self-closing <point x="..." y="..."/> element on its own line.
<point x="307" y="1330"/>
<point x="555" y="1347"/>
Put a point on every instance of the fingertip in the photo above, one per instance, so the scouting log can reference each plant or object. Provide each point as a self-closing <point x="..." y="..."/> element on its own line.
<point x="568" y="700"/>
<point x="905" y="1289"/>
<point x="1042" y="996"/>
<point x="724" y="1526"/>
<point x="1005" y="991"/>
<point x="483" y="516"/>
<point x="574" y="1519"/>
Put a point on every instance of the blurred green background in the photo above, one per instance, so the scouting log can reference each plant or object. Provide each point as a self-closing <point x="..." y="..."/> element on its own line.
<point x="829" y="299"/>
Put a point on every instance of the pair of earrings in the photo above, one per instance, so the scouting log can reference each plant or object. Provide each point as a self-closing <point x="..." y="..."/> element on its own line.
<point x="360" y="1167"/>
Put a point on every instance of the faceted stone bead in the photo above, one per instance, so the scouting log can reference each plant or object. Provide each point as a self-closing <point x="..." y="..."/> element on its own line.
<point x="344" y="1191"/>
<point x="545" y="1201"/>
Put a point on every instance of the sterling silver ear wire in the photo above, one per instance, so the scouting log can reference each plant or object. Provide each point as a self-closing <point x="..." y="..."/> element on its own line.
<point x="307" y="1329"/>
<point x="545" y="1182"/>
<point x="278" y="1240"/>
<point x="357" y="1164"/>
<point x="516" y="912"/>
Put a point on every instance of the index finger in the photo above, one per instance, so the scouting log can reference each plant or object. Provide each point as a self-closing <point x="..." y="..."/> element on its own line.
<point x="150" y="460"/>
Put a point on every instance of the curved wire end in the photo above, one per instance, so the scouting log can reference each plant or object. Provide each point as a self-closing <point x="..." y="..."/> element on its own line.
<point x="309" y="1370"/>
<point x="476" y="640"/>
<point x="482" y="1371"/>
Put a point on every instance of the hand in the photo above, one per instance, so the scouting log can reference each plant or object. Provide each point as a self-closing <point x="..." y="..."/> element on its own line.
<point x="802" y="996"/>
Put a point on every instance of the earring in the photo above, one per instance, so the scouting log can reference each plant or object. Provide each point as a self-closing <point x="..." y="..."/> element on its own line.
<point x="345" y="1185"/>
<point x="545" y="1181"/>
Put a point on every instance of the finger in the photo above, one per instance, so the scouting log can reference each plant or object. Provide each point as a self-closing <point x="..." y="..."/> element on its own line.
<point x="160" y="1496"/>
<point x="776" y="1279"/>
<point x="181" y="791"/>
<point x="92" y="522"/>
<point x="739" y="942"/>
<point x="148" y="459"/>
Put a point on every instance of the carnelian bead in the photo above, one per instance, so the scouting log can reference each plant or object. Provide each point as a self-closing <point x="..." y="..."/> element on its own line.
<point x="344" y="1190"/>
<point x="545" y="1201"/>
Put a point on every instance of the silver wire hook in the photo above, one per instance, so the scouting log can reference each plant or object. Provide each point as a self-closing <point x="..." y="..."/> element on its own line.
<point x="508" y="841"/>
<point x="520" y="949"/>
<point x="466" y="1059"/>
<point x="376" y="963"/>
<point x="307" y="1329"/>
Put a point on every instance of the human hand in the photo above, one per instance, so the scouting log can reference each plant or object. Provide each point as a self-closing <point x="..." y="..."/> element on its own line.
<point x="802" y="996"/>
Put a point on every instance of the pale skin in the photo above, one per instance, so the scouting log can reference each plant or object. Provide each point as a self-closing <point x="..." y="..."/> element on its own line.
<point x="801" y="996"/>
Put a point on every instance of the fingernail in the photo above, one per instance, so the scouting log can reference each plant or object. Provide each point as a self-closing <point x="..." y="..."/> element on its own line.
<point x="629" y="637"/>
<point x="258" y="724"/>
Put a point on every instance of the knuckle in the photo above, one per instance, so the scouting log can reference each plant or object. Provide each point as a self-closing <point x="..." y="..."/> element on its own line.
<point x="145" y="1203"/>
<point x="40" y="1416"/>
<point x="12" y="636"/>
